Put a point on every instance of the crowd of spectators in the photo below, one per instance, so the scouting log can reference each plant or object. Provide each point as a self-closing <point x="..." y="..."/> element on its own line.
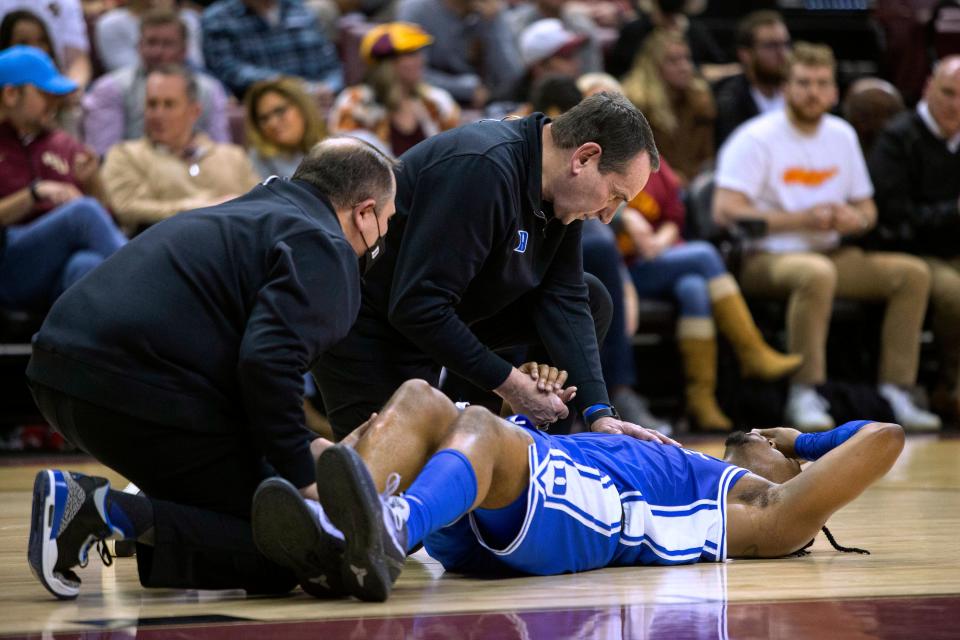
<point x="116" y="114"/>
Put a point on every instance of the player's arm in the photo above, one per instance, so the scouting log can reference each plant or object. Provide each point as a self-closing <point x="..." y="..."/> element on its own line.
<point x="849" y="459"/>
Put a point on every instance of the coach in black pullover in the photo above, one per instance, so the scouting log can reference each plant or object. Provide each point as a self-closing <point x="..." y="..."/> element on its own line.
<point x="179" y="363"/>
<point x="485" y="247"/>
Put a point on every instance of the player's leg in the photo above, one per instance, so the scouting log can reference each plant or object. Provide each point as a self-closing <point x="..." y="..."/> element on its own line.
<point x="405" y="433"/>
<point x="480" y="461"/>
<point x="360" y="374"/>
<point x="297" y="533"/>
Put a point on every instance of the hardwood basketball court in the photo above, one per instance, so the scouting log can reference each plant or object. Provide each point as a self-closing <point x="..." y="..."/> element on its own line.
<point x="909" y="587"/>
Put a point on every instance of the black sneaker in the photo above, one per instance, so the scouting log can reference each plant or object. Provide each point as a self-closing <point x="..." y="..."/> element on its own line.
<point x="376" y="535"/>
<point x="69" y="515"/>
<point x="287" y="532"/>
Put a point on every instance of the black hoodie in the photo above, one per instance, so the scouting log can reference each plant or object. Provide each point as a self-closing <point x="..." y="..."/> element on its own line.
<point x="208" y="320"/>
<point x="471" y="236"/>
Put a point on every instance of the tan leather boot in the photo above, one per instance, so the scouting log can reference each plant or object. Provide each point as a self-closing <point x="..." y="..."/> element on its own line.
<point x="757" y="358"/>
<point x="698" y="346"/>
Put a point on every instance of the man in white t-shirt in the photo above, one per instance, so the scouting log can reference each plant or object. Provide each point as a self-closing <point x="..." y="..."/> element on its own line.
<point x="802" y="172"/>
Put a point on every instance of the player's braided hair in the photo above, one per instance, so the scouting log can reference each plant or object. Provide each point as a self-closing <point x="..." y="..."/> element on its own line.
<point x="799" y="553"/>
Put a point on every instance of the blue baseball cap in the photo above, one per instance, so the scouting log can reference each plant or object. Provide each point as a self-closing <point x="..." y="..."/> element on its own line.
<point x="22" y="65"/>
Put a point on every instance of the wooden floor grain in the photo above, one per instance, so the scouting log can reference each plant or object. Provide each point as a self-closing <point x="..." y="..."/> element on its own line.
<point x="910" y="521"/>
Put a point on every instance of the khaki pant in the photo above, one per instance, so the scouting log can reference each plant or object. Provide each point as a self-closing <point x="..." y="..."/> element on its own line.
<point x="945" y="306"/>
<point x="810" y="281"/>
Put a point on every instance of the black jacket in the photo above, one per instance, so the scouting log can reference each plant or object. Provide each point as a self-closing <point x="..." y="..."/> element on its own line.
<point x="917" y="183"/>
<point x="735" y="105"/>
<point x="471" y="235"/>
<point x="208" y="320"/>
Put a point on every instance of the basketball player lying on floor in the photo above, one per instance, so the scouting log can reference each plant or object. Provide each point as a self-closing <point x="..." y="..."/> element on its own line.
<point x="484" y="493"/>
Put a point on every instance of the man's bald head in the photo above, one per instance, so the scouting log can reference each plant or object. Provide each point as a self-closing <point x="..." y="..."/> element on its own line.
<point x="348" y="170"/>
<point x="942" y="95"/>
<point x="946" y="67"/>
<point x="869" y="105"/>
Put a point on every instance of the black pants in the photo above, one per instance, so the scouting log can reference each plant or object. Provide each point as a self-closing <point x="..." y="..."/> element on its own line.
<point x="365" y="371"/>
<point x="200" y="486"/>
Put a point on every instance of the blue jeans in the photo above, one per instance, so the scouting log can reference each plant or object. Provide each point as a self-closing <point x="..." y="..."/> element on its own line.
<point x="41" y="259"/>
<point x="681" y="273"/>
<point x="601" y="257"/>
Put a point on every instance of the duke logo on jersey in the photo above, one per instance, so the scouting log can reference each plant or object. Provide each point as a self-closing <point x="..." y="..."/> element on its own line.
<point x="522" y="242"/>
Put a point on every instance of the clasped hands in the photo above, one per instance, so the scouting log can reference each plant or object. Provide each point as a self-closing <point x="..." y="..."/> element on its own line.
<point x="840" y="217"/>
<point x="536" y="391"/>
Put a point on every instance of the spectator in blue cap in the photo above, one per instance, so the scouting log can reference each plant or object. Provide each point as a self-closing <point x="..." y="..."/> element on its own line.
<point x="51" y="234"/>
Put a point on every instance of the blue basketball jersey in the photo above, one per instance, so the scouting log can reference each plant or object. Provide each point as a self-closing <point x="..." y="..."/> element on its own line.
<point x="597" y="500"/>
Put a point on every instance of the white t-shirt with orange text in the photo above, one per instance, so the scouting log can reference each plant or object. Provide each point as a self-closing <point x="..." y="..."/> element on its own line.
<point x="779" y="168"/>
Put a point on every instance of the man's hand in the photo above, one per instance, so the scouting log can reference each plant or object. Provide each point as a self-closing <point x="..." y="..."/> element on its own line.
<point x="639" y="230"/>
<point x="848" y="221"/>
<point x="782" y="439"/>
<point x="354" y="436"/>
<point x="521" y="392"/>
<point x="819" y="217"/>
<point x="549" y="379"/>
<point x="85" y="166"/>
<point x="656" y="246"/>
<point x="57" y="192"/>
<point x="620" y="427"/>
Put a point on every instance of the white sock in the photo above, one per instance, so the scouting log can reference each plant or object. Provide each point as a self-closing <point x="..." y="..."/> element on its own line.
<point x="321" y="515"/>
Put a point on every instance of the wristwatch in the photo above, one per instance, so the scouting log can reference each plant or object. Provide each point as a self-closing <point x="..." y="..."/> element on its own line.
<point x="33" y="191"/>
<point x="596" y="411"/>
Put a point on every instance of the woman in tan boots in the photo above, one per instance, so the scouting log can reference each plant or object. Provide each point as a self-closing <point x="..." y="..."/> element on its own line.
<point x="692" y="273"/>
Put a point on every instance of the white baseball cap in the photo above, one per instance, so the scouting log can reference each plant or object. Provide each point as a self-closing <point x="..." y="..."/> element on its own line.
<point x="546" y="38"/>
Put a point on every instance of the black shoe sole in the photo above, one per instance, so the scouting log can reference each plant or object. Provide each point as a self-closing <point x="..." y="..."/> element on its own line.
<point x="286" y="532"/>
<point x="352" y="503"/>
